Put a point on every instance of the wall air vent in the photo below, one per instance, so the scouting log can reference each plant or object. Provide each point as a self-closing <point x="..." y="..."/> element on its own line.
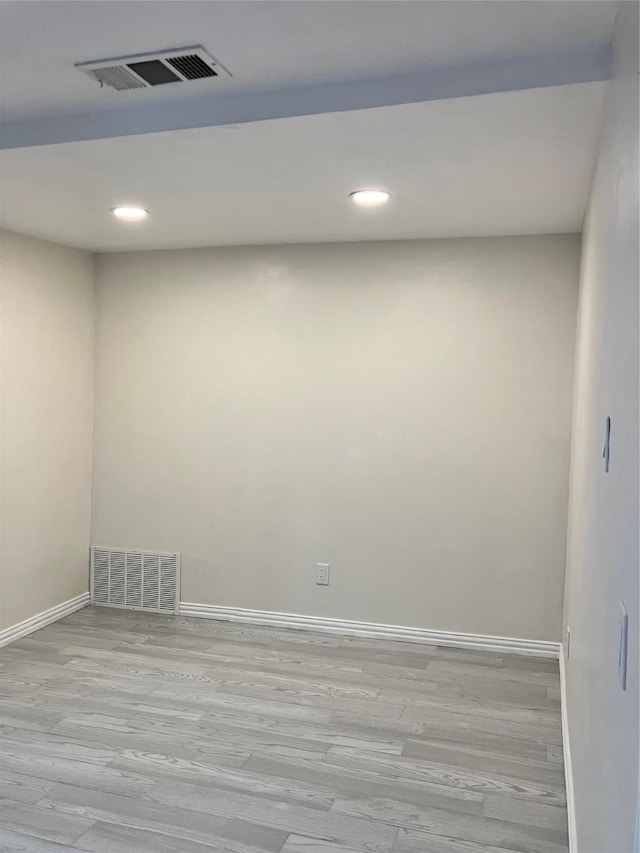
<point x="144" y="70"/>
<point x="135" y="580"/>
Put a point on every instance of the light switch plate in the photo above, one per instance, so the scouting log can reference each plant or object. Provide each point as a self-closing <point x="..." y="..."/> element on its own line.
<point x="622" y="647"/>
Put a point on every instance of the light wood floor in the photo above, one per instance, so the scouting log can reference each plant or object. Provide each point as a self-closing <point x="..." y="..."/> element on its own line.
<point x="128" y="732"/>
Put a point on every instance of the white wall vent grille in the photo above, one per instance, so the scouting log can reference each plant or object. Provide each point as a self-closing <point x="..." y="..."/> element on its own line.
<point x="135" y="580"/>
<point x="145" y="70"/>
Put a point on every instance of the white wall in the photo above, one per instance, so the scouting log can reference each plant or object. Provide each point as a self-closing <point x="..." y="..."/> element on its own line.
<point x="603" y="559"/>
<point x="399" y="410"/>
<point x="47" y="322"/>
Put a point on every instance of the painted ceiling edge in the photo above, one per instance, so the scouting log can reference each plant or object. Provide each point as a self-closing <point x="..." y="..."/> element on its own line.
<point x="443" y="83"/>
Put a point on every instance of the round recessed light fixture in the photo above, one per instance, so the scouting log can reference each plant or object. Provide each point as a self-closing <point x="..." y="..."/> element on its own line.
<point x="130" y="214"/>
<point x="370" y="198"/>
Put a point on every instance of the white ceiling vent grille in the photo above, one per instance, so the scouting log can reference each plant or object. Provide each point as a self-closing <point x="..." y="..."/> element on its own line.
<point x="136" y="580"/>
<point x="144" y="70"/>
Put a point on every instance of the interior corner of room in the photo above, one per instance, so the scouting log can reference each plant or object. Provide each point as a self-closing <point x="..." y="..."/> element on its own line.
<point x="405" y="418"/>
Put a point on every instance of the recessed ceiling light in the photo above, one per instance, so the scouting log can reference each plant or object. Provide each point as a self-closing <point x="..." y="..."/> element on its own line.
<point x="131" y="214"/>
<point x="370" y="198"/>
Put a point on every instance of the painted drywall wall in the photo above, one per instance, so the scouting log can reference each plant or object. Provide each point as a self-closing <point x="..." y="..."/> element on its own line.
<point x="399" y="410"/>
<point x="47" y="323"/>
<point x="603" y="560"/>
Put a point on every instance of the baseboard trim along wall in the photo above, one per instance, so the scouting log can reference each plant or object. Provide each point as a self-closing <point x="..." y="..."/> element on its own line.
<point x="511" y="645"/>
<point x="28" y="626"/>
<point x="566" y="751"/>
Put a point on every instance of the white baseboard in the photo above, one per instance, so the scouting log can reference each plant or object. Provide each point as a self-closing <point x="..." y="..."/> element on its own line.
<point x="44" y="618"/>
<point x="566" y="750"/>
<point x="510" y="645"/>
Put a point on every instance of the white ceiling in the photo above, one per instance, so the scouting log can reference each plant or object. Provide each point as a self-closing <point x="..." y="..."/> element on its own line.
<point x="270" y="45"/>
<point x="480" y="117"/>
<point x="505" y="163"/>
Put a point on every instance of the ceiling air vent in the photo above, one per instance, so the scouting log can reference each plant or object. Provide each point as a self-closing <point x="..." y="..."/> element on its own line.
<point x="154" y="69"/>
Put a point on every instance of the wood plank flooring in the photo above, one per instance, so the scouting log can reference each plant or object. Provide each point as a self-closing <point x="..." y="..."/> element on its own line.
<point x="127" y="732"/>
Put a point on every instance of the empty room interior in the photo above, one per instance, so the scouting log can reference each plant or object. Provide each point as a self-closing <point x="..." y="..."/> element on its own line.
<point x="319" y="426"/>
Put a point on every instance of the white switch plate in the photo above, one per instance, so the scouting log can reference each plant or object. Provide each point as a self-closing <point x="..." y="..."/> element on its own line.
<point x="322" y="574"/>
<point x="622" y="647"/>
